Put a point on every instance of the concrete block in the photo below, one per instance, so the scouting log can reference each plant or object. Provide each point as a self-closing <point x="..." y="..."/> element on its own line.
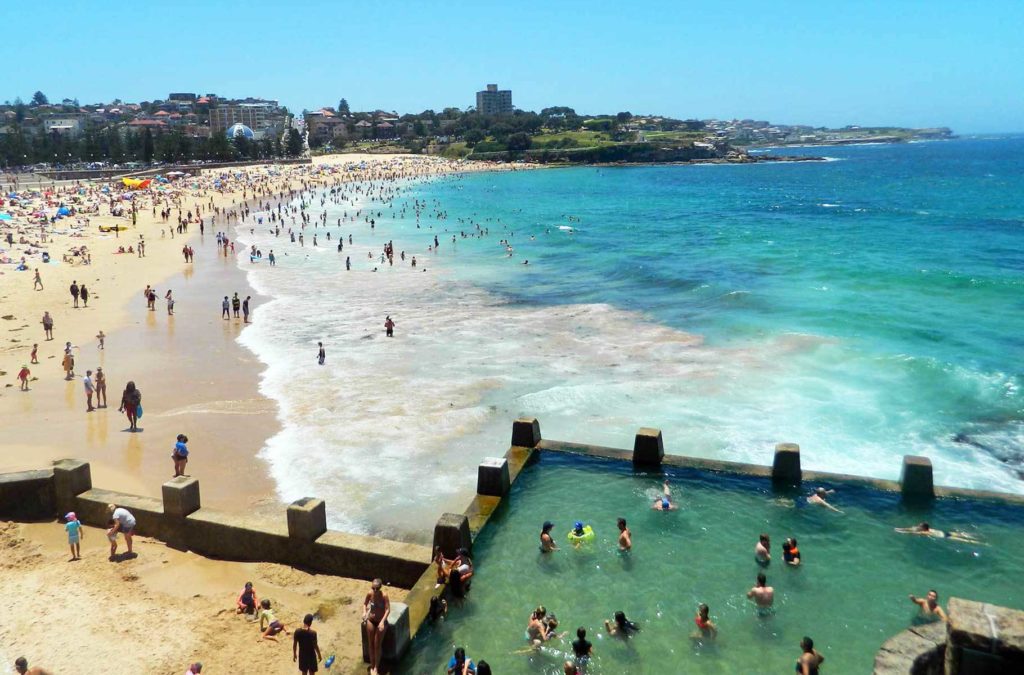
<point x="526" y="432"/>
<point x="181" y="496"/>
<point x="648" y="447"/>
<point x="396" y="638"/>
<point x="916" y="477"/>
<point x="786" y="465"/>
<point x="492" y="478"/>
<point x="28" y="495"/>
<point x="984" y="638"/>
<point x="452" y="533"/>
<point x="71" y="477"/>
<point x="307" y="518"/>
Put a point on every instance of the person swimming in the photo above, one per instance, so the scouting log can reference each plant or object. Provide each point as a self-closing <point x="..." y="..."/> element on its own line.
<point x="622" y="626"/>
<point x="705" y="627"/>
<point x="926" y="530"/>
<point x="664" y="502"/>
<point x="547" y="542"/>
<point x="817" y="498"/>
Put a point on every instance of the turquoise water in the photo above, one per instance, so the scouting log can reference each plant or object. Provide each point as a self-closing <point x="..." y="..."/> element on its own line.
<point x="850" y="594"/>
<point x="865" y="308"/>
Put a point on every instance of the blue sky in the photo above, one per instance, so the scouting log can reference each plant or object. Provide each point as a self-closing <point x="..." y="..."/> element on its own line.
<point x="924" y="63"/>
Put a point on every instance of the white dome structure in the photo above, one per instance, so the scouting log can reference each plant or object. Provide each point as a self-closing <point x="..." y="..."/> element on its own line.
<point x="238" y="129"/>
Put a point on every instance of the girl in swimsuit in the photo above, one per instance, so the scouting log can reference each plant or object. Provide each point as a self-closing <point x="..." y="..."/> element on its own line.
<point x="705" y="627"/>
<point x="810" y="660"/>
<point x="377" y="607"/>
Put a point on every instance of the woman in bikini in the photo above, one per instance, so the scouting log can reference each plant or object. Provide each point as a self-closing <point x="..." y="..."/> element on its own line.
<point x="376" y="608"/>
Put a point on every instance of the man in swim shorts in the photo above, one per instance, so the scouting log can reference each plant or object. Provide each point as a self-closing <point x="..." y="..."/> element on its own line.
<point x="763" y="595"/>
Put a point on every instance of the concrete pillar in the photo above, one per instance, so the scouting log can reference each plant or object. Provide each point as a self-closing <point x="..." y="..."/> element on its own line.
<point x="526" y="432"/>
<point x="648" y="447"/>
<point x="452" y="533"/>
<point x="916" y="479"/>
<point x="983" y="638"/>
<point x="492" y="477"/>
<point x="181" y="496"/>
<point x="71" y="477"/>
<point x="396" y="638"/>
<point x="307" y="519"/>
<point x="786" y="465"/>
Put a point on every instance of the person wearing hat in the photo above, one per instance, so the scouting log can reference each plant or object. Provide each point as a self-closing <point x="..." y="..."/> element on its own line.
<point x="547" y="543"/>
<point x="21" y="667"/>
<point x="74" y="529"/>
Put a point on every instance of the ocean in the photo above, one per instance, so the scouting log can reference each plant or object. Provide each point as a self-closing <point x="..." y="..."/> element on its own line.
<point x="865" y="307"/>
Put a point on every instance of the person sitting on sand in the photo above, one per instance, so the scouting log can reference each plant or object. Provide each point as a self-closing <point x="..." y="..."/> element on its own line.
<point x="247" y="600"/>
<point x="926" y="530"/>
<point x="706" y="629"/>
<point x="664" y="502"/>
<point x="270" y="625"/>
<point x="930" y="609"/>
<point x="817" y="498"/>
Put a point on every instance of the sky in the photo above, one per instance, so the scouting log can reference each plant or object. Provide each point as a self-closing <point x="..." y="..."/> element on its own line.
<point x="825" y="63"/>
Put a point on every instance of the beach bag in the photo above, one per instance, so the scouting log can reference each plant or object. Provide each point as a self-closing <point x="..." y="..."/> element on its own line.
<point x="138" y="412"/>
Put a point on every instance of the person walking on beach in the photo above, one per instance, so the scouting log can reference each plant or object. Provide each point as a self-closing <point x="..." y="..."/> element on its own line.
<point x="37" y="283"/>
<point x="124" y="522"/>
<point x="180" y="455"/>
<point x="101" y="337"/>
<point x="74" y="293"/>
<point x="321" y="355"/>
<point x="84" y="293"/>
<point x="48" y="325"/>
<point x="68" y="364"/>
<point x="170" y="302"/>
<point x="245" y="309"/>
<point x="101" y="388"/>
<point x="305" y="649"/>
<point x="389" y="327"/>
<point x="131" y="402"/>
<point x="151" y="300"/>
<point x="90" y="388"/>
<point x="271" y="258"/>
<point x="23" y="376"/>
<point x="34" y="357"/>
<point x="225" y="308"/>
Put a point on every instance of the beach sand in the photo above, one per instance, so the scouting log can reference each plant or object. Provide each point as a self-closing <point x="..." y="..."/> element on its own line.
<point x="161" y="611"/>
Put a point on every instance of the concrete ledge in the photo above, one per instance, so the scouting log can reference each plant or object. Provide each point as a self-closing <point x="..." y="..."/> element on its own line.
<point x="180" y="496"/>
<point x="307" y="519"/>
<point x="984" y="638"/>
<point x="396" y="638"/>
<point x="452" y="533"/>
<point x="786" y="464"/>
<point x="71" y="477"/>
<point x="361" y="557"/>
<point x="916" y="481"/>
<point x="919" y="650"/>
<point x="526" y="432"/>
<point x="648" y="447"/>
<point x="91" y="509"/>
<point x="28" y="495"/>
<point x="492" y="477"/>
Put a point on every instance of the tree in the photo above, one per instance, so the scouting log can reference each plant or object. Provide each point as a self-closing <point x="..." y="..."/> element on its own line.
<point x="294" y="143"/>
<point x="343" y="108"/>
<point x="623" y="117"/>
<point x="472" y="137"/>
<point x="147" y="145"/>
<point x="39" y="98"/>
<point x="19" y="110"/>
<point x="518" y="143"/>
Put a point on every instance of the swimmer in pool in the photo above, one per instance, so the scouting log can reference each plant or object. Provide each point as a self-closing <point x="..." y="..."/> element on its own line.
<point x="547" y="543"/>
<point x="664" y="502"/>
<point x="625" y="536"/>
<point x="706" y="629"/>
<point x="818" y="499"/>
<point x="926" y="530"/>
<point x="761" y="550"/>
<point x="622" y="626"/>
<point x="929" y="605"/>
<point x="763" y="595"/>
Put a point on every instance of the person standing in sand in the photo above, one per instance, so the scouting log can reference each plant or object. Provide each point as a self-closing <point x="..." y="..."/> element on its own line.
<point x="48" y="325"/>
<point x="376" y="608"/>
<point x="68" y="364"/>
<point x="23" y="376"/>
<point x="90" y="389"/>
<point x="225" y="308"/>
<point x="245" y="309"/>
<point x="101" y="337"/>
<point x="84" y="293"/>
<point x="131" y="401"/>
<point x="37" y="283"/>
<point x="101" y="388"/>
<point x="74" y="529"/>
<point x="170" y="302"/>
<point x="389" y="327"/>
<point x="124" y="522"/>
<point x="321" y="355"/>
<point x="74" y="293"/>
<point x="34" y="357"/>
<point x="305" y="649"/>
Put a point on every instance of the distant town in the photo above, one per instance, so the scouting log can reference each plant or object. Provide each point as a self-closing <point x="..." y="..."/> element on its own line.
<point x="189" y="127"/>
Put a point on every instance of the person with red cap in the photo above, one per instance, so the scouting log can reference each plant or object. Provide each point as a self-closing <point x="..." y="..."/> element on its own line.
<point x="74" y="530"/>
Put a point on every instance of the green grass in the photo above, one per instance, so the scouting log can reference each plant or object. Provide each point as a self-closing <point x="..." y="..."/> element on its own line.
<point x="675" y="135"/>
<point x="584" y="139"/>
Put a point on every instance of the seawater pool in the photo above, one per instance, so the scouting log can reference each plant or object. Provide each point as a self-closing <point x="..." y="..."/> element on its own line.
<point x="850" y="594"/>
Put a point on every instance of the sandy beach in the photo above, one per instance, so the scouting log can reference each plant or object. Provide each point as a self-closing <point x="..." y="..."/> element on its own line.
<point x="195" y="379"/>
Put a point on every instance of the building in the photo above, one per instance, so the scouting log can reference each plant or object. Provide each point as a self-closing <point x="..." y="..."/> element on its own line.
<point x="265" y="118"/>
<point x="182" y="96"/>
<point x="64" y="126"/>
<point x="323" y="126"/>
<point x="494" y="101"/>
